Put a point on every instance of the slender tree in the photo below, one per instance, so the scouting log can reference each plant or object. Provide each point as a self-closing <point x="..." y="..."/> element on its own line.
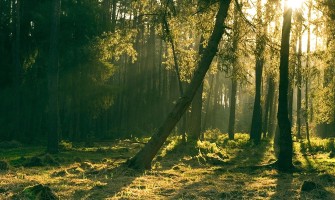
<point x="299" y="75"/>
<point x="256" y="125"/>
<point x="53" y="120"/>
<point x="143" y="159"/>
<point x="310" y="4"/>
<point x="195" y="121"/>
<point x="17" y="64"/>
<point x="232" y="102"/>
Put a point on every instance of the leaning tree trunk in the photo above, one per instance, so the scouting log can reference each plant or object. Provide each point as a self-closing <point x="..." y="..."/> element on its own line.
<point x="285" y="138"/>
<point x="53" y="120"/>
<point x="143" y="159"/>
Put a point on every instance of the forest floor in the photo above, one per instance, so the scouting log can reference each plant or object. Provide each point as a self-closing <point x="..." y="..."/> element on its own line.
<point x="206" y="170"/>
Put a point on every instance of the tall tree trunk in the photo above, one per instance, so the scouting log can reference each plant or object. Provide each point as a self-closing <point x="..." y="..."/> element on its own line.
<point x="232" y="107"/>
<point x="232" y="103"/>
<point x="208" y="102"/>
<point x="113" y="23"/>
<point x="177" y="69"/>
<point x="17" y="68"/>
<point x="268" y="104"/>
<point x="195" y="121"/>
<point x="143" y="159"/>
<point x="299" y="77"/>
<point x="307" y="71"/>
<point x="285" y="137"/>
<point x="256" y="125"/>
<point x="53" y="119"/>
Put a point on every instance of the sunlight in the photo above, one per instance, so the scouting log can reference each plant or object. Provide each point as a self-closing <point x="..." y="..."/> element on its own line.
<point x="295" y="4"/>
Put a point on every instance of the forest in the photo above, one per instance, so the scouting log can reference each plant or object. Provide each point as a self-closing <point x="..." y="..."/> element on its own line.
<point x="167" y="99"/>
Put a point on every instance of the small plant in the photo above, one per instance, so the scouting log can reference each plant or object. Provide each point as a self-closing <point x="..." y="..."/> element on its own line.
<point x="65" y="145"/>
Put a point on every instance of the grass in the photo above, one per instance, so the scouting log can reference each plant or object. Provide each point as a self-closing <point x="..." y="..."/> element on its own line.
<point x="212" y="169"/>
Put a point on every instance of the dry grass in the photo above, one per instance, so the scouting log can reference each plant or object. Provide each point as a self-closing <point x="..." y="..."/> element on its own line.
<point x="179" y="173"/>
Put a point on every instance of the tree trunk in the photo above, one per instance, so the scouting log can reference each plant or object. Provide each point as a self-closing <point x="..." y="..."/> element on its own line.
<point x="285" y="137"/>
<point x="232" y="106"/>
<point x="17" y="68"/>
<point x="195" y="122"/>
<point x="268" y="105"/>
<point x="256" y="125"/>
<point x="232" y="103"/>
<point x="299" y="79"/>
<point x="307" y="71"/>
<point x="53" y="110"/>
<point x="143" y="159"/>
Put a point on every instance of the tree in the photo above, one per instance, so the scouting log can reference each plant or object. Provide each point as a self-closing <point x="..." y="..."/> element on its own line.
<point x="299" y="73"/>
<point x="53" y="110"/>
<point x="285" y="138"/>
<point x="17" y="65"/>
<point x="195" y="121"/>
<point x="143" y="159"/>
<point x="310" y="4"/>
<point x="232" y="102"/>
<point x="256" y="125"/>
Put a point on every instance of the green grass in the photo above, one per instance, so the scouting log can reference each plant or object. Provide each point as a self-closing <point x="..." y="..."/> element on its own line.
<point x="216" y="168"/>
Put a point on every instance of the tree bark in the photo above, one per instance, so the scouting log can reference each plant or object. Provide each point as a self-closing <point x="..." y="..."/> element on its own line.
<point x="307" y="71"/>
<point x="195" y="122"/>
<point x="232" y="106"/>
<point x="299" y="82"/>
<point x="143" y="159"/>
<point x="53" y="110"/>
<point x="285" y="137"/>
<point x="256" y="125"/>
<point x="17" y="68"/>
<point x="268" y="105"/>
<point x="232" y="103"/>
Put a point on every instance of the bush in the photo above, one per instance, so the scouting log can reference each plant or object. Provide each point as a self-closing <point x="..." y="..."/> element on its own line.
<point x="65" y="145"/>
<point x="4" y="166"/>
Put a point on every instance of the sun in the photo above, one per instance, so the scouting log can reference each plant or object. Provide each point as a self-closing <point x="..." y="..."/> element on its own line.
<point x="295" y="4"/>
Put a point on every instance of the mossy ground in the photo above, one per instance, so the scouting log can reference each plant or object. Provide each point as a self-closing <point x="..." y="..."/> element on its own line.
<point x="204" y="170"/>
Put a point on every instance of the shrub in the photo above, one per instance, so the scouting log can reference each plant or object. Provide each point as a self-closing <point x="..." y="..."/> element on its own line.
<point x="4" y="166"/>
<point x="65" y="145"/>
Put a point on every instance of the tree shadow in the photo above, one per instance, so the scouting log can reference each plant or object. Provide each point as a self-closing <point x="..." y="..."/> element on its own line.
<point x="220" y="181"/>
<point x="284" y="187"/>
<point x="116" y="179"/>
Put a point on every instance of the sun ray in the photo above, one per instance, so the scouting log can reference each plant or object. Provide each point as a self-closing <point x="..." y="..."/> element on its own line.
<point x="295" y="4"/>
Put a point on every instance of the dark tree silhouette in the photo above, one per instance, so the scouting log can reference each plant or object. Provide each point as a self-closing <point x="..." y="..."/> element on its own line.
<point x="53" y="119"/>
<point x="285" y="139"/>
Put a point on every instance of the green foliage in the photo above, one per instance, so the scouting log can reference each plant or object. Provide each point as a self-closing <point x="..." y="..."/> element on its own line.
<point x="324" y="101"/>
<point x="38" y="192"/>
<point x="112" y="46"/>
<point x="320" y="145"/>
<point x="65" y="145"/>
<point x="241" y="139"/>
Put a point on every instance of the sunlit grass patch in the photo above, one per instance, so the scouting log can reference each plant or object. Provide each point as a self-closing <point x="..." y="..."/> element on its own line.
<point x="186" y="171"/>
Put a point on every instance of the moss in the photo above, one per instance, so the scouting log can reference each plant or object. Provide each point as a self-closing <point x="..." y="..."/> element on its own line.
<point x="39" y="192"/>
<point x="34" y="162"/>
